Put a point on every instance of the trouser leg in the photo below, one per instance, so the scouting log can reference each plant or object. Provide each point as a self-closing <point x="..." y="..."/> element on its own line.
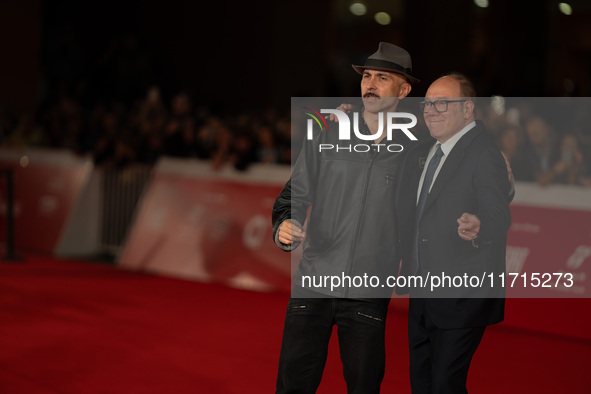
<point x="306" y="334"/>
<point x="453" y="354"/>
<point x="420" y="348"/>
<point x="361" y="328"/>
<point x="439" y="358"/>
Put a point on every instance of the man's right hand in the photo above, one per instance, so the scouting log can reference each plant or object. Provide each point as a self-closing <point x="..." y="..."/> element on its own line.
<point x="290" y="233"/>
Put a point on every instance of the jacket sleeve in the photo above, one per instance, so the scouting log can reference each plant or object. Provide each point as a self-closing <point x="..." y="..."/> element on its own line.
<point x="492" y="188"/>
<point x="298" y="193"/>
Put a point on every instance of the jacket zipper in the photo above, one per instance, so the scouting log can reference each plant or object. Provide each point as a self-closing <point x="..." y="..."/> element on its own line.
<point x="361" y="209"/>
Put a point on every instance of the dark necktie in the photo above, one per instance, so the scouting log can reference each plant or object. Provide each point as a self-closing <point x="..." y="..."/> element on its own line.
<point x="433" y="164"/>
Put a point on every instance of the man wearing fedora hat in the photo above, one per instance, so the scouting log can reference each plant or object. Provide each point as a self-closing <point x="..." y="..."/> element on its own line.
<point x="351" y="228"/>
<point x="390" y="58"/>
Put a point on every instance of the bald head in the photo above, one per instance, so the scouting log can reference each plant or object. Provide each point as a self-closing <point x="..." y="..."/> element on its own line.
<point x="454" y="92"/>
<point x="444" y="87"/>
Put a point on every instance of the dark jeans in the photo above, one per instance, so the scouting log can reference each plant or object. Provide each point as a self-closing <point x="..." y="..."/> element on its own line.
<point x="308" y="326"/>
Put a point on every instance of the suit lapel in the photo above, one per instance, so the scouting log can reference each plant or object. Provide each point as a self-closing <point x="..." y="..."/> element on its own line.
<point x="451" y="164"/>
<point x="447" y="170"/>
<point x="418" y="165"/>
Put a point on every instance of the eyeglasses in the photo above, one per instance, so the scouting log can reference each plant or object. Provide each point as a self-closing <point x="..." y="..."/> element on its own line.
<point x="439" y="105"/>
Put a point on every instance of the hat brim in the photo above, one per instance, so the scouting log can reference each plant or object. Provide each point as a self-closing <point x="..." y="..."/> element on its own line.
<point x="412" y="80"/>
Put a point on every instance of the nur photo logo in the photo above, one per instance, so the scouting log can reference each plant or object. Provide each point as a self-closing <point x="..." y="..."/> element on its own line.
<point x="392" y="122"/>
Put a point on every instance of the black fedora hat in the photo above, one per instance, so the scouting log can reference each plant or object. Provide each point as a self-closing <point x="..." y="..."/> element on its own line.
<point x="391" y="58"/>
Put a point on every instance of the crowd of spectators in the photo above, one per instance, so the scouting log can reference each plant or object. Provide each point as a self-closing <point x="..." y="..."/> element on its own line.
<point x="100" y="103"/>
<point x="543" y="149"/>
<point x="545" y="140"/>
<point x="97" y="101"/>
<point x="149" y="128"/>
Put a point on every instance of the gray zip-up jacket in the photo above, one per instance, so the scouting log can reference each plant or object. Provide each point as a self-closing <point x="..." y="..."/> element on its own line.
<point x="351" y="230"/>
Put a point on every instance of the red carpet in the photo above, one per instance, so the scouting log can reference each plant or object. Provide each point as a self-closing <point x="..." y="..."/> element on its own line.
<point x="75" y="327"/>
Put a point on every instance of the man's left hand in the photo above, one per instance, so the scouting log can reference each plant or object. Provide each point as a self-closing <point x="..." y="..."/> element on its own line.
<point x="468" y="226"/>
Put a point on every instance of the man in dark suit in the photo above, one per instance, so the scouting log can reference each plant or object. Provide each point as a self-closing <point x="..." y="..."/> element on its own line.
<point x="454" y="215"/>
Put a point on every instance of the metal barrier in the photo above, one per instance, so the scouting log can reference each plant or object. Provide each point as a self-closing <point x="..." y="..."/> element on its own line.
<point x="122" y="189"/>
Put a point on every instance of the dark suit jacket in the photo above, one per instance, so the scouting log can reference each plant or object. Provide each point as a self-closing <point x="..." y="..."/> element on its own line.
<point x="473" y="179"/>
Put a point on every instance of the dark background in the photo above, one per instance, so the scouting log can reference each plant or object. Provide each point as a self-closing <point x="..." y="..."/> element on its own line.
<point x="259" y="53"/>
